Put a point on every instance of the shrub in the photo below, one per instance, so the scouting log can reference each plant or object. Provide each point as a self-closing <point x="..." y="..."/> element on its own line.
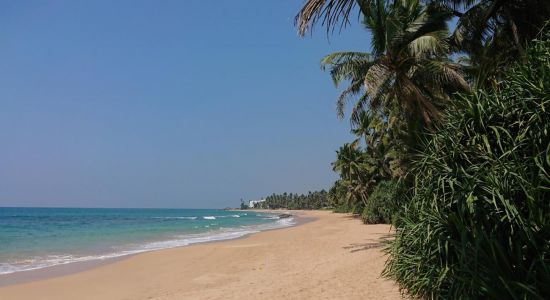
<point x="342" y="208"/>
<point x="383" y="203"/>
<point x="478" y="222"/>
<point x="357" y="208"/>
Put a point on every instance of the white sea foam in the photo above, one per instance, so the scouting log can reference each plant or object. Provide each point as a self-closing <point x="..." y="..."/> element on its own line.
<point x="178" y="218"/>
<point x="209" y="218"/>
<point x="228" y="216"/>
<point x="40" y="262"/>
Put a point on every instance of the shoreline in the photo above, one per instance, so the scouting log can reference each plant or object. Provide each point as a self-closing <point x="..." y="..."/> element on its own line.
<point x="49" y="272"/>
<point x="326" y="256"/>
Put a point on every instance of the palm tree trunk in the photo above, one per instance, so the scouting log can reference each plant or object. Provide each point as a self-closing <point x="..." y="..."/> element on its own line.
<point x="515" y="33"/>
<point x="363" y="198"/>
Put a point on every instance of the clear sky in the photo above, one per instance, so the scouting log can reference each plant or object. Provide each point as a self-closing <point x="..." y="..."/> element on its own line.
<point x="164" y="103"/>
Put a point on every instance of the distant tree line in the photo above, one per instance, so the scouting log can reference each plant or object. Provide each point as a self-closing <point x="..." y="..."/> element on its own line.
<point x="311" y="200"/>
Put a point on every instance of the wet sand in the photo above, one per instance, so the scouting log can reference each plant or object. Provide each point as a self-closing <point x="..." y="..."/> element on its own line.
<point x="332" y="257"/>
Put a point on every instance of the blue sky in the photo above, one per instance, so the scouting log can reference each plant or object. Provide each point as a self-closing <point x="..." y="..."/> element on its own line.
<point x="163" y="103"/>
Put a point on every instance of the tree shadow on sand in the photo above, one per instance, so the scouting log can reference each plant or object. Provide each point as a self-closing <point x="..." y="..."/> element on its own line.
<point x="363" y="246"/>
<point x="370" y="244"/>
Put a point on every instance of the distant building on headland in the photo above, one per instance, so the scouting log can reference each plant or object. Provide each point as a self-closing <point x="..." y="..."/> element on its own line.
<point x="253" y="203"/>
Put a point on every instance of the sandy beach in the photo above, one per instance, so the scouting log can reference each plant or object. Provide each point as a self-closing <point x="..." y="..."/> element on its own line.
<point x="333" y="256"/>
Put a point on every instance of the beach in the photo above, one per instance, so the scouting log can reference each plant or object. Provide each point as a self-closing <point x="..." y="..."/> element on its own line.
<point x="328" y="256"/>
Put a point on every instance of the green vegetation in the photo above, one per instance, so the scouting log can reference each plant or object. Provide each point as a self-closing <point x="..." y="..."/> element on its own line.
<point x="313" y="200"/>
<point x="452" y="143"/>
<point x="478" y="224"/>
<point x="243" y="205"/>
<point x="401" y="87"/>
<point x="384" y="202"/>
<point x="408" y="74"/>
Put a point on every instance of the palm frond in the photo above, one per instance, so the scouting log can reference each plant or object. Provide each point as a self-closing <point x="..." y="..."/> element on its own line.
<point x="433" y="43"/>
<point x="375" y="22"/>
<point x="425" y="22"/>
<point x="346" y="65"/>
<point x="411" y="96"/>
<point x="331" y="13"/>
<point x="375" y="76"/>
<point x="355" y="88"/>
<point x="442" y="73"/>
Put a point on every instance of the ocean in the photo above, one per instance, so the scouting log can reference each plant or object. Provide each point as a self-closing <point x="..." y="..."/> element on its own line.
<point x="34" y="238"/>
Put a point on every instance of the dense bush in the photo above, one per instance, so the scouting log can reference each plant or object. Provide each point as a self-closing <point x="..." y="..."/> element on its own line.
<point x="383" y="203"/>
<point x="478" y="222"/>
<point x="343" y="208"/>
<point x="355" y="208"/>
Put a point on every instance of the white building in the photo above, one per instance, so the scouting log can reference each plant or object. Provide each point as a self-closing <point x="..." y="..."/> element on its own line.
<point x="253" y="203"/>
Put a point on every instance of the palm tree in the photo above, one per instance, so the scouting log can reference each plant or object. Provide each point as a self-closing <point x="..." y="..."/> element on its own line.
<point x="369" y="126"/>
<point x="506" y="23"/>
<point x="408" y="69"/>
<point x="378" y="132"/>
<point x="329" y="12"/>
<point x="349" y="164"/>
<point x="359" y="171"/>
<point x="348" y="161"/>
<point x="492" y="33"/>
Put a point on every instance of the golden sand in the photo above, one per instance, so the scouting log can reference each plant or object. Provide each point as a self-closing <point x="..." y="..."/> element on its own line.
<point x="333" y="257"/>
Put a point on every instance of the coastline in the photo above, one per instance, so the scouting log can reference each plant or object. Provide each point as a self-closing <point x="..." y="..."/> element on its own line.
<point x="273" y="263"/>
<point x="44" y="273"/>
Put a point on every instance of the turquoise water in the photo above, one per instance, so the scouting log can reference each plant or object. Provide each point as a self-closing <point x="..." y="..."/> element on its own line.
<point x="32" y="238"/>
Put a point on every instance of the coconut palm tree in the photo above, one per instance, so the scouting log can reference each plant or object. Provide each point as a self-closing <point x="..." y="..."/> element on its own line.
<point x="507" y="23"/>
<point x="520" y="20"/>
<point x="408" y="68"/>
<point x="360" y="170"/>
<point x="348" y="161"/>
<point x="377" y="131"/>
<point x="350" y="164"/>
<point x="369" y="126"/>
<point x="331" y="13"/>
<point x="492" y="33"/>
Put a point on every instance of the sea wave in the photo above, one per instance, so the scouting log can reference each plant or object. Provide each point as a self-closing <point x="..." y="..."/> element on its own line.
<point x="177" y="218"/>
<point x="268" y="217"/>
<point x="40" y="262"/>
<point x="225" y="216"/>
